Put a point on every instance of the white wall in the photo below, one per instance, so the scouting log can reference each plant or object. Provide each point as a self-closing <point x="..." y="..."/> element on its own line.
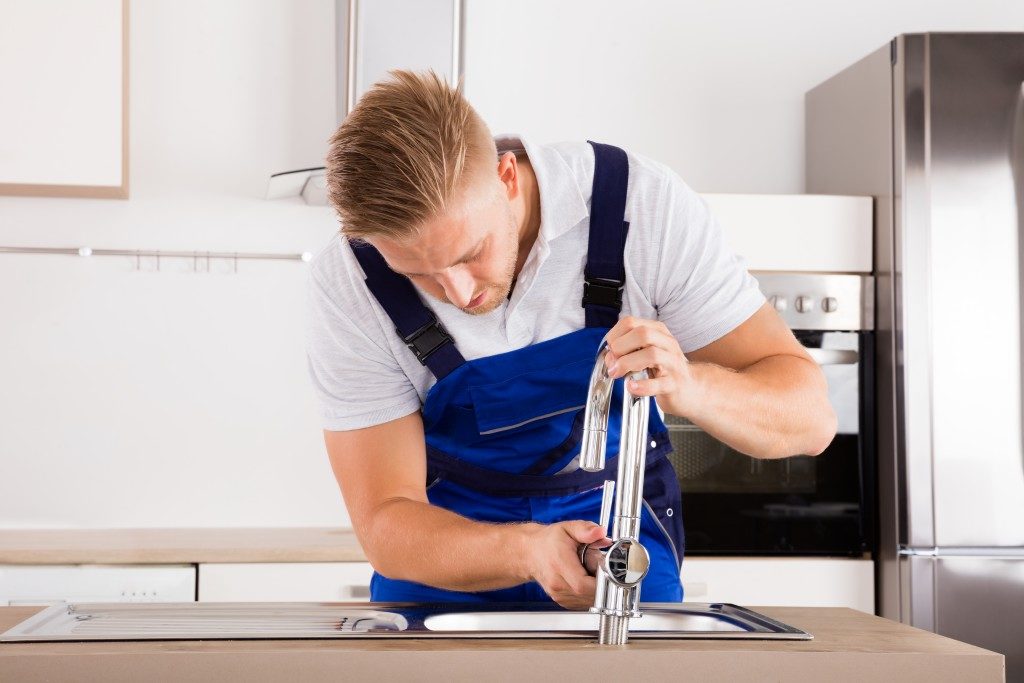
<point x="175" y="398"/>
<point x="714" y="88"/>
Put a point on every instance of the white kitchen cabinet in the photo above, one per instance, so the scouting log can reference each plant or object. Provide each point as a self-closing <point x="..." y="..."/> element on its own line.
<point x="64" y="70"/>
<point x="48" y="584"/>
<point x="797" y="232"/>
<point x="813" y="582"/>
<point x="284" y="581"/>
<point x="797" y="582"/>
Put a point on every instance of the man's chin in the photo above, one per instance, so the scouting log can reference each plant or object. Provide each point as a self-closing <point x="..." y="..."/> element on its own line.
<point x="485" y="307"/>
<point x="492" y="301"/>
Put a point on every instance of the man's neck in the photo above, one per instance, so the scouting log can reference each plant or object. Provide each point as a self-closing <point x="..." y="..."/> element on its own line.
<point x="529" y="226"/>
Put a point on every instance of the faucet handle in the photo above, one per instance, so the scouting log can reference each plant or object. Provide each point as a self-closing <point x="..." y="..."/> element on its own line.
<point x="590" y="557"/>
<point x="606" y="504"/>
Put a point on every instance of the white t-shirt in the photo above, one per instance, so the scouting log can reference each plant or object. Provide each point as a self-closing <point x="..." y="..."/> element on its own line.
<point x="678" y="270"/>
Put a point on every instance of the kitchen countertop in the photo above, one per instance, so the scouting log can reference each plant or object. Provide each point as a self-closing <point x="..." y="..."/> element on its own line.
<point x="848" y="646"/>
<point x="174" y="546"/>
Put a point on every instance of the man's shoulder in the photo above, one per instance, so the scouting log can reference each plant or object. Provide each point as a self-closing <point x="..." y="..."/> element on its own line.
<point x="646" y="174"/>
<point x="337" y="272"/>
<point x="329" y="261"/>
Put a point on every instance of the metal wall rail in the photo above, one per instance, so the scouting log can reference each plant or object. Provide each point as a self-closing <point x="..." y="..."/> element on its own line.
<point x="196" y="256"/>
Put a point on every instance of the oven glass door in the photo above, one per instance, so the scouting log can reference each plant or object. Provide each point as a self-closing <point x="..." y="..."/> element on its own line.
<point x="733" y="503"/>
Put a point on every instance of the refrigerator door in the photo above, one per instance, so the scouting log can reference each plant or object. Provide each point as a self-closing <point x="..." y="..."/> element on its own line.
<point x="962" y="188"/>
<point x="973" y="603"/>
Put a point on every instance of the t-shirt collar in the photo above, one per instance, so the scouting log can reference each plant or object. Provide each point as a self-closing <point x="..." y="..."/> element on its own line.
<point x="562" y="205"/>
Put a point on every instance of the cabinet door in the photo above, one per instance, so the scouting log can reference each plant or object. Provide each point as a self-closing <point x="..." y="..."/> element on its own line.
<point x="799" y="582"/>
<point x="64" y="118"/>
<point x="49" y="584"/>
<point x="792" y="232"/>
<point x="285" y="582"/>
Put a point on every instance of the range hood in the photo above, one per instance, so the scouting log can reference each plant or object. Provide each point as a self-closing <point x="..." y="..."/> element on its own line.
<point x="371" y="39"/>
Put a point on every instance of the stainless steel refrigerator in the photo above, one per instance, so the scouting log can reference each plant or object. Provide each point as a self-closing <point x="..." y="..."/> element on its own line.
<point x="932" y="126"/>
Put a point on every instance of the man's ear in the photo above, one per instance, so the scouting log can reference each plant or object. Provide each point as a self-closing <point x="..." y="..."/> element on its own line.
<point x="508" y="174"/>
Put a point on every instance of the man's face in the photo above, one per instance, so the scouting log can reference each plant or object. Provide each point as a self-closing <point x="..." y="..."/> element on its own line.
<point x="466" y="257"/>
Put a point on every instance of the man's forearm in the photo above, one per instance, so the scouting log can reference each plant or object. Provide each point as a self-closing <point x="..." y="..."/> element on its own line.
<point x="775" y="408"/>
<point x="419" y="542"/>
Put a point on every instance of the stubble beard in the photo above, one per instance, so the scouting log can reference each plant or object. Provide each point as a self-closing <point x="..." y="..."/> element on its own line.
<point x="502" y="289"/>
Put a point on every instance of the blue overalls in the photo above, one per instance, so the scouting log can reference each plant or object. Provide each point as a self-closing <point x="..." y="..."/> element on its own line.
<point x="499" y="428"/>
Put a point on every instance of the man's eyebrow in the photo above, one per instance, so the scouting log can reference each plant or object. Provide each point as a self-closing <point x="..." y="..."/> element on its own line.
<point x="469" y="254"/>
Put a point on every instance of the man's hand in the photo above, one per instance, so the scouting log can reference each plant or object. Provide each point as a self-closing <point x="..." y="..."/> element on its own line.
<point x="636" y="344"/>
<point x="554" y="561"/>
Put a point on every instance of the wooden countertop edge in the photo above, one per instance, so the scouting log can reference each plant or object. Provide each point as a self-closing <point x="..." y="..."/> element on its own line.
<point x="179" y="546"/>
<point x="185" y="546"/>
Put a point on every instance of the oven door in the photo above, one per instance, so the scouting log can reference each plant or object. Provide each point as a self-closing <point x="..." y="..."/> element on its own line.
<point x="802" y="505"/>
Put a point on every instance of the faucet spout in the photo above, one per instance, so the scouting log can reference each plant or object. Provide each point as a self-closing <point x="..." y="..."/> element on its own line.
<point x="622" y="565"/>
<point x="595" y="419"/>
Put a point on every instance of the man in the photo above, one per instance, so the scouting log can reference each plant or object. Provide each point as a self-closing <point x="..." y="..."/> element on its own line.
<point x="454" y="325"/>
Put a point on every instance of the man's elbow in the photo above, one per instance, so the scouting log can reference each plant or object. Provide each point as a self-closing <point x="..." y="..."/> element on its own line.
<point x="822" y="429"/>
<point x="376" y="536"/>
<point x="820" y="421"/>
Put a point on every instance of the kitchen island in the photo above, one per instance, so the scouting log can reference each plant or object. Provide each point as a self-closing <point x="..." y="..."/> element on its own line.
<point x="848" y="646"/>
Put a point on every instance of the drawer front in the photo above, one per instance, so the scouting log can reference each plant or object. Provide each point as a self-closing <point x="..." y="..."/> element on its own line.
<point x="49" y="584"/>
<point x="798" y="582"/>
<point x="285" y="582"/>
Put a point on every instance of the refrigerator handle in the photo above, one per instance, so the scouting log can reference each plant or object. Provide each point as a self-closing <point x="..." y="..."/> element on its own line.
<point x="1017" y="171"/>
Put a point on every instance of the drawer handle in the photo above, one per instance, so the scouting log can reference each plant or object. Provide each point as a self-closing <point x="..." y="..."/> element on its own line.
<point x="833" y="356"/>
<point x="357" y="592"/>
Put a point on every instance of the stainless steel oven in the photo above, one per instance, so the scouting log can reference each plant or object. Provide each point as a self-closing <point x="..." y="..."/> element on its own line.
<point x="802" y="505"/>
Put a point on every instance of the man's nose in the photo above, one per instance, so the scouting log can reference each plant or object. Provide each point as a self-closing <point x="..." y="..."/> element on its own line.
<point x="458" y="286"/>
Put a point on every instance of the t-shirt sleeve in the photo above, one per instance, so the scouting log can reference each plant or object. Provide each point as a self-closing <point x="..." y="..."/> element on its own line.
<point x="703" y="289"/>
<point x="358" y="382"/>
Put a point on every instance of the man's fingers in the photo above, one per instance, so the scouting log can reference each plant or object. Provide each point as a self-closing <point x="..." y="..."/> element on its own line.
<point x="577" y="579"/>
<point x="637" y="338"/>
<point x="649" y="387"/>
<point x="585" y="586"/>
<point x="575" y="591"/>
<point x="648" y="357"/>
<point x="583" y="532"/>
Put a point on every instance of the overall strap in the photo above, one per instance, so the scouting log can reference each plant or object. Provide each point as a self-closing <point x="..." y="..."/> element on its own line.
<point x="604" y="275"/>
<point x="415" y="323"/>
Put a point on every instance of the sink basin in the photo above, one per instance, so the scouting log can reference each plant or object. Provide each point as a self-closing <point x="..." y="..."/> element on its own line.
<point x="281" y="620"/>
<point x="653" y="620"/>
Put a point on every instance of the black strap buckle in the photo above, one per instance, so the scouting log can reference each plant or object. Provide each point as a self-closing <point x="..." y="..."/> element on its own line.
<point x="427" y="339"/>
<point x="602" y="292"/>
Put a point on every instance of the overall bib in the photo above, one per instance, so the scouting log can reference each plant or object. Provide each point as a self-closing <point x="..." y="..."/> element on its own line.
<point x="501" y="429"/>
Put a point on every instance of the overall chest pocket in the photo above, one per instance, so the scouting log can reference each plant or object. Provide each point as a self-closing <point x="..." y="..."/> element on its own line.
<point x="529" y="398"/>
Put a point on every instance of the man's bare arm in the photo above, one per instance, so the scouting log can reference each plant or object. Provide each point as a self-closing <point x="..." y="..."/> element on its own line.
<point x="755" y="389"/>
<point x="382" y="470"/>
<point x="760" y="392"/>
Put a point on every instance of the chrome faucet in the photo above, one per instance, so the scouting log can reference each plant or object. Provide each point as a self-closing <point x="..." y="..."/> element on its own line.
<point x="621" y="566"/>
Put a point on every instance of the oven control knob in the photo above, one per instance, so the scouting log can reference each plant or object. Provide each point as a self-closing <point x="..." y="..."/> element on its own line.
<point x="779" y="302"/>
<point x="829" y="304"/>
<point x="804" y="304"/>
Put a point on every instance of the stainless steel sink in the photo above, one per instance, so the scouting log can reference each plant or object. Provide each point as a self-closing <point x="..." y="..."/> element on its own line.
<point x="662" y="621"/>
<point x="282" y="620"/>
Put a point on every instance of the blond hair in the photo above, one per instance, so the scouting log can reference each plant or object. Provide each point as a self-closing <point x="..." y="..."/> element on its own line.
<point x="401" y="155"/>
